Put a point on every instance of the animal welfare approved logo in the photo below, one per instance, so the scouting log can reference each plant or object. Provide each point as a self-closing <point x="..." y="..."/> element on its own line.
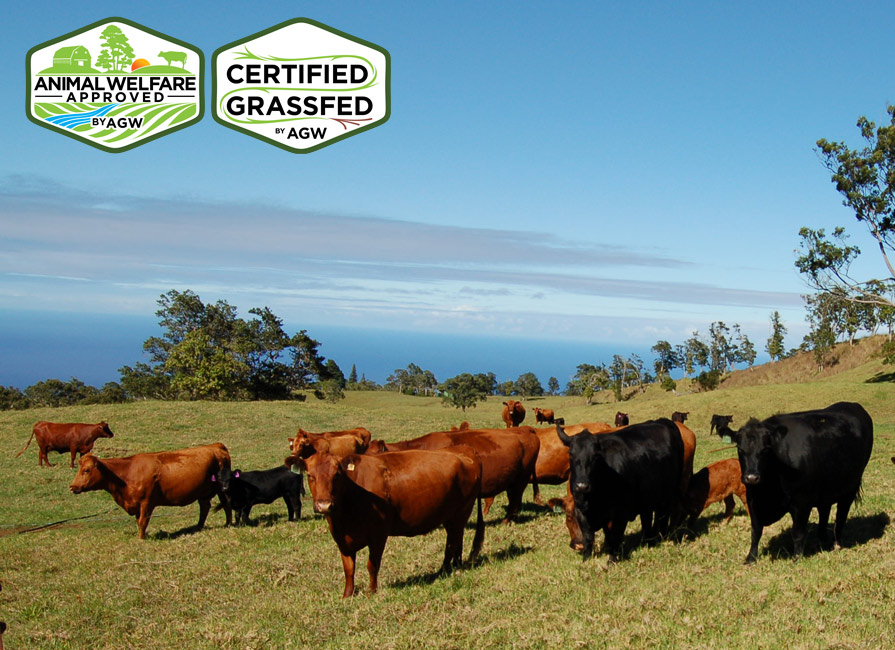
<point x="115" y="85"/>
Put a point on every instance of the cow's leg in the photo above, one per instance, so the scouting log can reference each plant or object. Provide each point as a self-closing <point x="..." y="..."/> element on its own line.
<point x="42" y="456"/>
<point x="143" y="518"/>
<point x="289" y="507"/>
<point x="204" y="508"/>
<point x="614" y="536"/>
<point x="536" y="493"/>
<point x="729" y="505"/>
<point x="823" y="519"/>
<point x="377" y="547"/>
<point x="245" y="515"/>
<point x="453" y="546"/>
<point x="73" y="454"/>
<point x="646" y="523"/>
<point x="800" y="516"/>
<point x="756" y="537"/>
<point x="514" y="496"/>
<point x="842" y="509"/>
<point x="479" y="538"/>
<point x="348" y="566"/>
<point x="587" y="534"/>
<point x="576" y="538"/>
<point x="227" y="506"/>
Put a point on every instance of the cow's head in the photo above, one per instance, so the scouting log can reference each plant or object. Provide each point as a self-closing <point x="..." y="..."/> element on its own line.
<point x="104" y="430"/>
<point x="326" y="479"/>
<point x="377" y="447"/>
<point x="621" y="419"/>
<point x="755" y="447"/>
<point x="89" y="476"/>
<point x="680" y="416"/>
<point x="224" y="478"/>
<point x="585" y="458"/>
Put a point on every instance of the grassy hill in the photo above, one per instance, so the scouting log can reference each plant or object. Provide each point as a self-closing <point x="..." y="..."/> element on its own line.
<point x="90" y="583"/>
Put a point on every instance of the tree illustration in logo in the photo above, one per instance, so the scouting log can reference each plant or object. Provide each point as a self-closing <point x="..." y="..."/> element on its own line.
<point x="117" y="54"/>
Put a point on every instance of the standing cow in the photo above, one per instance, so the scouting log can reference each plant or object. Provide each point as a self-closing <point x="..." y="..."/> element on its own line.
<point x="616" y="477"/>
<point x="73" y="437"/>
<point x="366" y="499"/>
<point x="799" y="461"/>
<point x="248" y="489"/>
<point x="141" y="482"/>
<point x="544" y="415"/>
<point x="513" y="413"/>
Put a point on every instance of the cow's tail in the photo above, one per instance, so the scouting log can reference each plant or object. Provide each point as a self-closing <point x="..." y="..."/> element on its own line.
<point x="26" y="444"/>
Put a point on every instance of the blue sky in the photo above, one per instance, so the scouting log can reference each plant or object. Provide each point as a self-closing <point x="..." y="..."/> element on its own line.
<point x="602" y="174"/>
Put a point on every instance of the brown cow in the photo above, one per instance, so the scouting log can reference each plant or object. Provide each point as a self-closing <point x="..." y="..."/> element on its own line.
<point x="717" y="482"/>
<point x="340" y="443"/>
<point x="544" y="415"/>
<point x="367" y="499"/>
<point x="508" y="459"/>
<point x="73" y="437"/>
<point x="513" y="413"/>
<point x="141" y="482"/>
<point x="552" y="467"/>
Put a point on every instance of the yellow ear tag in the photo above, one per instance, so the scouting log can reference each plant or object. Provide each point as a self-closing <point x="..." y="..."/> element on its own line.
<point x="350" y="467"/>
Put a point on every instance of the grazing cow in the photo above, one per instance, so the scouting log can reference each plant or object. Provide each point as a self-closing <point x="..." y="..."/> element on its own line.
<point x="141" y="482"/>
<point x="508" y="459"/>
<point x="720" y="424"/>
<point x="621" y="475"/>
<point x="544" y="415"/>
<point x="171" y="57"/>
<point x="567" y="504"/>
<point x="552" y="466"/>
<point x="798" y="461"/>
<point x="513" y="413"/>
<point x="73" y="437"/>
<point x="680" y="416"/>
<point x="717" y="482"/>
<point x="340" y="443"/>
<point x="366" y="499"/>
<point x="248" y="489"/>
<point x="621" y="419"/>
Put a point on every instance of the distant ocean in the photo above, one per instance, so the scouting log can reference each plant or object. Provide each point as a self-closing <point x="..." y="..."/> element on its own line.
<point x="40" y="345"/>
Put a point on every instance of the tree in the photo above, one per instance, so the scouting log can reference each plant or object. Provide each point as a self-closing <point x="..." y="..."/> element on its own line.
<point x="866" y="180"/>
<point x="331" y="370"/>
<point x="775" y="345"/>
<point x="413" y="381"/>
<point x="11" y="398"/>
<point x="506" y="388"/>
<point x="822" y="319"/>
<point x="553" y="386"/>
<point x="352" y="376"/>
<point x="745" y="348"/>
<point x="116" y="48"/>
<point x="667" y="358"/>
<point x="464" y="391"/>
<point x="528" y="385"/>
<point x="721" y="351"/>
<point x="587" y="381"/>
<point x="693" y="354"/>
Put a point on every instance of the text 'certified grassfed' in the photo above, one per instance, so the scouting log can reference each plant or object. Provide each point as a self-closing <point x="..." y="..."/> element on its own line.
<point x="301" y="85"/>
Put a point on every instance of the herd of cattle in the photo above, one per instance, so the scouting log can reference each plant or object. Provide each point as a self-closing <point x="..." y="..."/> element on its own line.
<point x="369" y="490"/>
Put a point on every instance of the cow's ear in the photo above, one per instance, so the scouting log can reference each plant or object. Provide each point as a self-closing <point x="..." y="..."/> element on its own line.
<point x="236" y="474"/>
<point x="777" y="430"/>
<point x="296" y="464"/>
<point x="733" y="434"/>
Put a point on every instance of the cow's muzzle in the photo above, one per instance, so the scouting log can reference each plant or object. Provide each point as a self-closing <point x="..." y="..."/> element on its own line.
<point x="323" y="507"/>
<point x="582" y="488"/>
<point x="751" y="478"/>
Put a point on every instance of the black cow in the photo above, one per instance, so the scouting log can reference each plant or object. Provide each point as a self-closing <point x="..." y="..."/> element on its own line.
<point x="799" y="461"/>
<point x="618" y="476"/>
<point x="247" y="489"/>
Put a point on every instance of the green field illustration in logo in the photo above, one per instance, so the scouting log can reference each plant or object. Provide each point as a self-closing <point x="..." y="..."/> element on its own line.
<point x="115" y="85"/>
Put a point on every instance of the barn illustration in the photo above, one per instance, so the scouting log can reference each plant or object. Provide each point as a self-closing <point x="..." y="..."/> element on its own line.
<point x="75" y="56"/>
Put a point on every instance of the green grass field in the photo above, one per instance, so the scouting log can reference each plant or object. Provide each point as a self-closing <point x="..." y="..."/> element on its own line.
<point x="90" y="583"/>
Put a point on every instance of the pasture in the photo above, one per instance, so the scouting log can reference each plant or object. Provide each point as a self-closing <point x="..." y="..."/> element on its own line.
<point x="90" y="583"/>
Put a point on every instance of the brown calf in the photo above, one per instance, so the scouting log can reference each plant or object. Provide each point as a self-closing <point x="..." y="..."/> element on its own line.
<point x="717" y="482"/>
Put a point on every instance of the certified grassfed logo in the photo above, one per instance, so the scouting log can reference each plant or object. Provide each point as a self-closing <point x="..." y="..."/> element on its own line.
<point x="301" y="85"/>
<point x="114" y="84"/>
